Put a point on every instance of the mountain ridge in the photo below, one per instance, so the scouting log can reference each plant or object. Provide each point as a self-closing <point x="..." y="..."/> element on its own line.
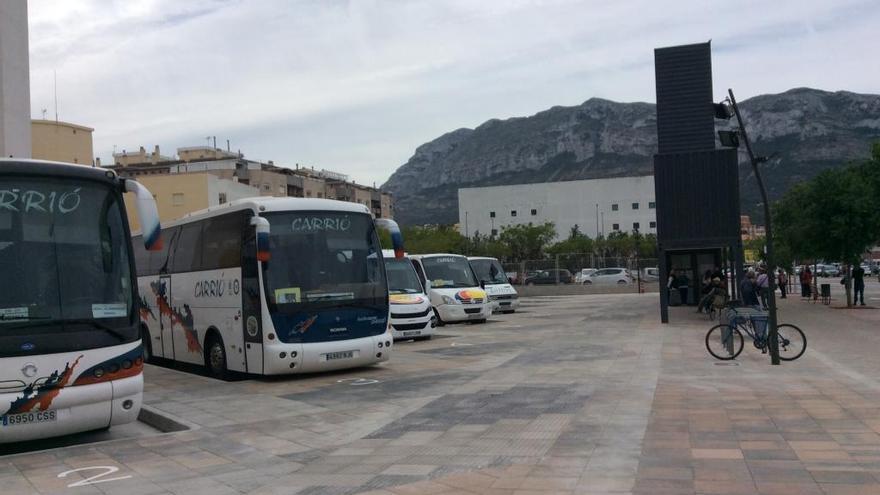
<point x="810" y="129"/>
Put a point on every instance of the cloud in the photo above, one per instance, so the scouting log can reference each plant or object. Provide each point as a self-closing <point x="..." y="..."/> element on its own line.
<point x="356" y="86"/>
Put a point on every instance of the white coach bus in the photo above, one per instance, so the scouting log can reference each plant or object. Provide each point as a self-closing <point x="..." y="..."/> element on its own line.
<point x="269" y="286"/>
<point x="70" y="350"/>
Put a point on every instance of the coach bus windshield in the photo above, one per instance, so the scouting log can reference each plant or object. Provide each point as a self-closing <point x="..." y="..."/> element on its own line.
<point x="323" y="259"/>
<point x="63" y="256"/>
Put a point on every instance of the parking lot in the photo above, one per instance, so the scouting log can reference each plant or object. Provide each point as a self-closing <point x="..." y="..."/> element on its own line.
<point x="572" y="394"/>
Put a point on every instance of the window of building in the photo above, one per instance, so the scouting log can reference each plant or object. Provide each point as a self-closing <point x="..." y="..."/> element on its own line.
<point x="635" y="225"/>
<point x="491" y="214"/>
<point x="534" y="212"/>
<point x="614" y="207"/>
<point x="177" y="199"/>
<point x="635" y="206"/>
<point x="652" y="205"/>
<point x="222" y="198"/>
<point x="267" y="187"/>
<point x="494" y="232"/>
<point x="513" y="213"/>
<point x="653" y="225"/>
<point x="615" y="226"/>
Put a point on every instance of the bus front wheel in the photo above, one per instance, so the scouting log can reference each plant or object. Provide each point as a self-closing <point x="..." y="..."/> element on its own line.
<point x="215" y="357"/>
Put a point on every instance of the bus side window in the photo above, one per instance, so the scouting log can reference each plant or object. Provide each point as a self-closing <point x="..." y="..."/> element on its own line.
<point x="221" y="242"/>
<point x="141" y="256"/>
<point x="159" y="260"/>
<point x="187" y="250"/>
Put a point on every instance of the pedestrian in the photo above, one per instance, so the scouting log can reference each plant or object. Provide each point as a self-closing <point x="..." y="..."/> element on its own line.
<point x="672" y="287"/>
<point x="782" y="282"/>
<point x="748" y="290"/>
<point x="858" y="278"/>
<point x="806" y="281"/>
<point x="763" y="284"/>
<point x="716" y="296"/>
<point x="683" y="285"/>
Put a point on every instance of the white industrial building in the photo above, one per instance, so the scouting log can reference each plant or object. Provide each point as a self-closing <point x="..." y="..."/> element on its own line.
<point x="596" y="206"/>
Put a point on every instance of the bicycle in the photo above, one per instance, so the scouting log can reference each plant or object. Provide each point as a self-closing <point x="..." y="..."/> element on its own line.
<point x="725" y="341"/>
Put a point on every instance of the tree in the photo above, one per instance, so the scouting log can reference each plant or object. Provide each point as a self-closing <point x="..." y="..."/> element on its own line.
<point x="527" y="242"/>
<point x="833" y="216"/>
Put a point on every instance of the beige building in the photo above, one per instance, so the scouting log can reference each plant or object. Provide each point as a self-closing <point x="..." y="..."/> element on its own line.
<point x="266" y="179"/>
<point x="140" y="157"/>
<point x="61" y="142"/>
<point x="179" y="194"/>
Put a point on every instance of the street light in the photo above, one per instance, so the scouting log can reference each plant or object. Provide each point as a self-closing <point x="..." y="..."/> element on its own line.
<point x="732" y="138"/>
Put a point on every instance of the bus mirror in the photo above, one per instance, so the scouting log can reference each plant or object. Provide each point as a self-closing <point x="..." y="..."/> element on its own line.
<point x="148" y="214"/>
<point x="262" y="228"/>
<point x="396" y="237"/>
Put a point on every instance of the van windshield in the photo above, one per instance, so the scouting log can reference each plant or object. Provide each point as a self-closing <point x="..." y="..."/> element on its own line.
<point x="489" y="270"/>
<point x="402" y="277"/>
<point x="449" y="272"/>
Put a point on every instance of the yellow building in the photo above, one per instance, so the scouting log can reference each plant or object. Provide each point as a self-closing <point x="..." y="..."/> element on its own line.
<point x="179" y="194"/>
<point x="61" y="142"/>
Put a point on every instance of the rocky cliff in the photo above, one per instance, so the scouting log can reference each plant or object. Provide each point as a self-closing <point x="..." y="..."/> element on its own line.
<point x="809" y="130"/>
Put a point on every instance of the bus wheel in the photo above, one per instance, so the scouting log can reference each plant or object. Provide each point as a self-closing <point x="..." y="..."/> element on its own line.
<point x="215" y="357"/>
<point x="147" y="345"/>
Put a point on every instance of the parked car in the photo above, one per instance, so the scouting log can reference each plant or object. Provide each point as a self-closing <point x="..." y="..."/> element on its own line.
<point x="583" y="274"/>
<point x="827" y="271"/>
<point x="651" y="274"/>
<point x="546" y="277"/>
<point x="619" y="276"/>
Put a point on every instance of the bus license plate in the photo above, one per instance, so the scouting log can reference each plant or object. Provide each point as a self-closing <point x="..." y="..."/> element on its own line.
<point x="411" y="333"/>
<point x="330" y="356"/>
<point x="31" y="417"/>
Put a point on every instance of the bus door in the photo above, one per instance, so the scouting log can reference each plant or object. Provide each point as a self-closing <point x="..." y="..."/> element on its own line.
<point x="166" y="321"/>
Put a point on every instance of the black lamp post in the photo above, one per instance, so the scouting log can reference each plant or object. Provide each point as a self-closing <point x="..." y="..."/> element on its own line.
<point x="731" y="139"/>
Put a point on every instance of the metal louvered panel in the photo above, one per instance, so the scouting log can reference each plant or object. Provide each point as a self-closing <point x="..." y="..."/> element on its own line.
<point x="685" y="117"/>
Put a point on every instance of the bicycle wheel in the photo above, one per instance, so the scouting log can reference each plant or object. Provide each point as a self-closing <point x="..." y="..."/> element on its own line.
<point x="792" y="342"/>
<point x="724" y="342"/>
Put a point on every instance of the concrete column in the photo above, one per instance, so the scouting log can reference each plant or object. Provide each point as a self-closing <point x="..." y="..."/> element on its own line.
<point x="15" y="91"/>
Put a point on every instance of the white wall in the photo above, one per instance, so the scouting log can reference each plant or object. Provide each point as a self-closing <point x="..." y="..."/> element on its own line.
<point x="233" y="190"/>
<point x="564" y="203"/>
<point x="15" y="91"/>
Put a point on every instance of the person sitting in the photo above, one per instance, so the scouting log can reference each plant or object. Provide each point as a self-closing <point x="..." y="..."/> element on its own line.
<point x="716" y="296"/>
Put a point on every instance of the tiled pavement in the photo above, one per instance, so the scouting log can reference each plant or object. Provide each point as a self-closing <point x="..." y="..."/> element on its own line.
<point x="581" y="394"/>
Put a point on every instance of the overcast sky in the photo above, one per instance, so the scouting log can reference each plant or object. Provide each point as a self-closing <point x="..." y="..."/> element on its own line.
<point x="355" y="86"/>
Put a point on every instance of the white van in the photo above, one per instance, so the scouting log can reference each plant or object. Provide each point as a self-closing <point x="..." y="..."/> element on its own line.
<point x="491" y="274"/>
<point x="411" y="313"/>
<point x="453" y="289"/>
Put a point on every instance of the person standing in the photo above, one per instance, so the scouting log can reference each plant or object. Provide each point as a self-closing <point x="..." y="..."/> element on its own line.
<point x="763" y="284"/>
<point x="782" y="282"/>
<point x="806" y="281"/>
<point x="683" y="285"/>
<point x="747" y="289"/>
<point x="858" y="278"/>
<point x="672" y="287"/>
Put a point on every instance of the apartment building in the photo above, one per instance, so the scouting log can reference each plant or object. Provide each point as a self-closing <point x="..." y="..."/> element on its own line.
<point x="265" y="179"/>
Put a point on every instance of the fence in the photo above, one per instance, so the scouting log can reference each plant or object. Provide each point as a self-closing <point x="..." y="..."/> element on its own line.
<point x="592" y="272"/>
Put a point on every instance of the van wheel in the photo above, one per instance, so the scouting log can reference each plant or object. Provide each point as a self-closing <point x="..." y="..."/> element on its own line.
<point x="215" y="358"/>
<point x="440" y="321"/>
<point x="147" y="345"/>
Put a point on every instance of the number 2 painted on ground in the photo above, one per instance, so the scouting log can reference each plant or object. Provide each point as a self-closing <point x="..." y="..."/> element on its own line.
<point x="91" y="480"/>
